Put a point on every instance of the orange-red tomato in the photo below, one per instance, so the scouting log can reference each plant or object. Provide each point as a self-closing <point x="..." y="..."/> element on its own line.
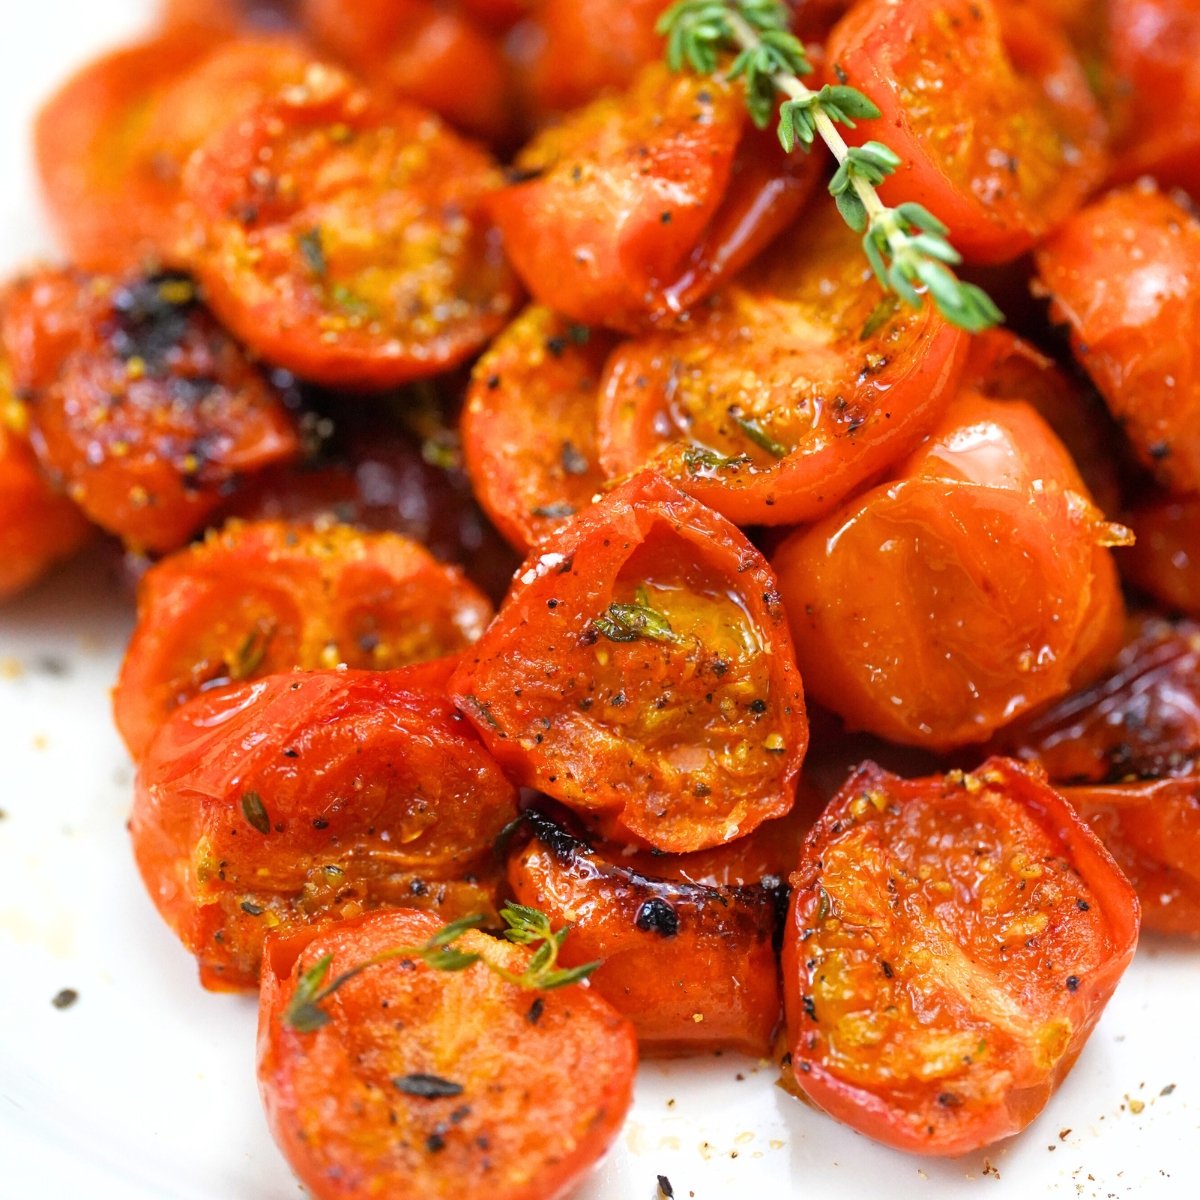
<point x="1154" y="62"/>
<point x="970" y="588"/>
<point x="529" y="424"/>
<point x="641" y="672"/>
<point x="361" y="256"/>
<point x="988" y="109"/>
<point x="423" y="52"/>
<point x="155" y="414"/>
<point x="303" y="799"/>
<point x="258" y="599"/>
<point x="44" y="316"/>
<point x="1124" y="274"/>
<point x="788" y="390"/>
<point x="1165" y="559"/>
<point x="633" y="209"/>
<point x="427" y="1083"/>
<point x="952" y="942"/>
<point x="691" y="965"/>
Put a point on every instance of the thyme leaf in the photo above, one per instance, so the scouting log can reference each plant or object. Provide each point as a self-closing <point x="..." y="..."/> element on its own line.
<point x="631" y="622"/>
<point x="255" y="812"/>
<point x="761" y="438"/>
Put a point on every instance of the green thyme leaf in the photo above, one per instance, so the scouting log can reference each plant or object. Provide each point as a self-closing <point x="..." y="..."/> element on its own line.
<point x="880" y="315"/>
<point x="313" y="251"/>
<point x="250" y="654"/>
<point x="629" y="622"/>
<point x="255" y="812"/>
<point x="761" y="438"/>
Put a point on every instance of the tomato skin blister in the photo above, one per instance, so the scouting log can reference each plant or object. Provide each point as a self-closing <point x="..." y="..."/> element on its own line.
<point x="261" y="598"/>
<point x="691" y="965"/>
<point x="910" y="897"/>
<point x="542" y="1097"/>
<point x="564" y="706"/>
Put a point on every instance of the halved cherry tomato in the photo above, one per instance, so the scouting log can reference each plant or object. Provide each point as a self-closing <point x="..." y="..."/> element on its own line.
<point x="988" y="109"/>
<point x="951" y="944"/>
<point x="943" y="604"/>
<point x="303" y="799"/>
<point x="789" y="390"/>
<point x="1165" y="559"/>
<point x="529" y="424"/>
<point x="636" y="207"/>
<point x="1154" y="62"/>
<point x="1124" y="274"/>
<point x="361" y="255"/>
<point x="263" y="598"/>
<point x="641" y="672"/>
<point x="573" y="50"/>
<point x="692" y="966"/>
<point x="44" y="316"/>
<point x="421" y="52"/>
<point x="431" y="1083"/>
<point x="155" y="414"/>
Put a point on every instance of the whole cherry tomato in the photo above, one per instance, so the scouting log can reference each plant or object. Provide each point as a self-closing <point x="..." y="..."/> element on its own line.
<point x="154" y="415"/>
<point x="1124" y="274"/>
<point x="789" y="389"/>
<point x="362" y="257"/>
<point x="302" y="799"/>
<point x="257" y="599"/>
<point x="1165" y="559"/>
<point x="951" y="944"/>
<point x="691" y="965"/>
<point x="529" y="424"/>
<point x="641" y="672"/>
<point x="634" y="208"/>
<point x="432" y="1083"/>
<point x="970" y="588"/>
<point x="988" y="109"/>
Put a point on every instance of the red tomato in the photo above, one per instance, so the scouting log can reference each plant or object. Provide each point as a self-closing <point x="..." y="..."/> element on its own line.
<point x="951" y="944"/>
<point x="362" y="257"/>
<point x="527" y="1091"/>
<point x="641" y="672"/>
<point x="1165" y="559"/>
<point x="1154" y="61"/>
<point x="422" y="52"/>
<point x="692" y="966"/>
<point x="498" y="14"/>
<point x="529" y="425"/>
<point x="44" y="316"/>
<point x="943" y="604"/>
<point x="300" y="800"/>
<point x="264" y="598"/>
<point x="155" y="414"/>
<point x="790" y="389"/>
<point x="1124" y="274"/>
<point x="988" y="109"/>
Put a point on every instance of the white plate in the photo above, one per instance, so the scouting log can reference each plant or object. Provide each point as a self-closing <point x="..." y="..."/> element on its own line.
<point x="144" y="1089"/>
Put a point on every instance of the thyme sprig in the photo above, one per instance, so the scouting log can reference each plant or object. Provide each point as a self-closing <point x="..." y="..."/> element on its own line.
<point x="526" y="927"/>
<point x="906" y="246"/>
<point x="632" y="622"/>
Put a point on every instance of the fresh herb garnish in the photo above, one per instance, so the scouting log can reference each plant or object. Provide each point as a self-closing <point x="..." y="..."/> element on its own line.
<point x="312" y="250"/>
<point x="250" y="654"/>
<point x="700" y="458"/>
<point x="256" y="812"/>
<point x="631" y="622"/>
<point x="526" y="927"/>
<point x="760" y="437"/>
<point x="906" y="245"/>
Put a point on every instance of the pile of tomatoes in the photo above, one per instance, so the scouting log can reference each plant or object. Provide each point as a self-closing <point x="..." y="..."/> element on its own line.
<point x="371" y="303"/>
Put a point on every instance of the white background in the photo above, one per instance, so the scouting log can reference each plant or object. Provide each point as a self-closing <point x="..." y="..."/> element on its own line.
<point x="145" y="1089"/>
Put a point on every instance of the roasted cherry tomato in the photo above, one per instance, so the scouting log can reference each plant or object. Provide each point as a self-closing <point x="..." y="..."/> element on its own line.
<point x="361" y="255"/>
<point x="952" y="942"/>
<point x="302" y="799"/>
<point x="156" y="414"/>
<point x="575" y="49"/>
<point x="257" y="599"/>
<point x="431" y="1083"/>
<point x="1165" y="559"/>
<point x="692" y="966"/>
<point x="788" y="390"/>
<point x="423" y="52"/>
<point x="633" y="209"/>
<point x="641" y="671"/>
<point x="970" y="588"/>
<point x="529" y="425"/>
<point x="988" y="109"/>
<point x="1124" y="274"/>
<point x="1154" y="64"/>
<point x="44" y="316"/>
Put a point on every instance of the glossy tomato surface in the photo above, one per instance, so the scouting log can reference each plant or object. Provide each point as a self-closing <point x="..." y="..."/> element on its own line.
<point x="259" y="598"/>
<point x="1165" y="559"/>
<point x="952" y="942"/>
<point x="426" y="1083"/>
<point x="790" y="389"/>
<point x="641" y="671"/>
